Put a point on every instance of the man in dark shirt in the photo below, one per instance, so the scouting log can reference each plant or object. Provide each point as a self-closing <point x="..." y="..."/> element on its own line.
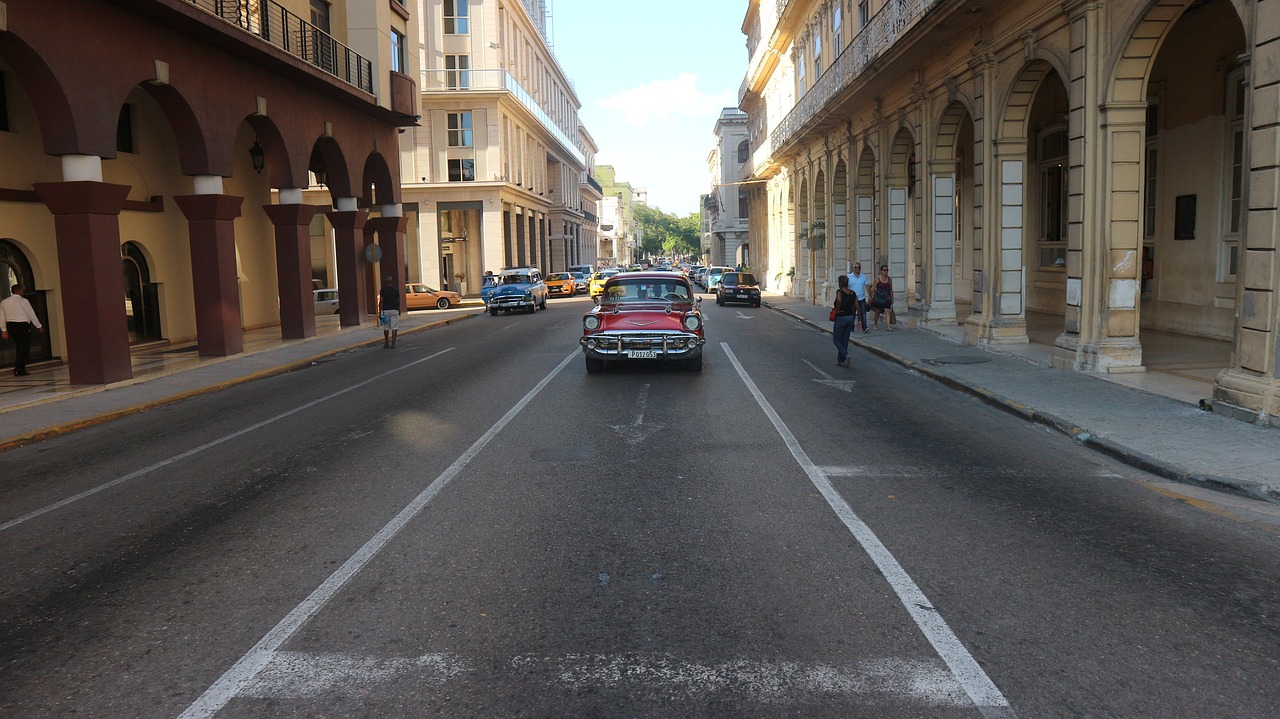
<point x="389" y="308"/>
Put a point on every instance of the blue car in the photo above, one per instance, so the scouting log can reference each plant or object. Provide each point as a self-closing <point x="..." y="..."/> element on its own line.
<point x="519" y="288"/>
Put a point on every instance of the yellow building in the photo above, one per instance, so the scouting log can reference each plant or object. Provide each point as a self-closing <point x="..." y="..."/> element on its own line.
<point x="498" y="170"/>
<point x="1112" y="165"/>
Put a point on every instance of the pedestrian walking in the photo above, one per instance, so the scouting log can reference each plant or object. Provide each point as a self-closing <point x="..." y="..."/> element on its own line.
<point x="389" y="312"/>
<point x="859" y="283"/>
<point x="16" y="320"/>
<point x="882" y="299"/>
<point x="843" y="309"/>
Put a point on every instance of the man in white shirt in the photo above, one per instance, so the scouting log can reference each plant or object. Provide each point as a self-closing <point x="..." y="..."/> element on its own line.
<point x="16" y="320"/>
<point x="858" y="282"/>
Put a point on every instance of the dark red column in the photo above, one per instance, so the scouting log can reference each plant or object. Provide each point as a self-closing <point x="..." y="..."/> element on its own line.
<point x="293" y="269"/>
<point x="390" y="231"/>
<point x="348" y="241"/>
<point x="87" y="224"/>
<point x="215" y="282"/>
<point x="372" y="283"/>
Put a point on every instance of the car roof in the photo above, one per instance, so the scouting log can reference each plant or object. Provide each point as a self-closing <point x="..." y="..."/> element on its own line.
<point x="651" y="274"/>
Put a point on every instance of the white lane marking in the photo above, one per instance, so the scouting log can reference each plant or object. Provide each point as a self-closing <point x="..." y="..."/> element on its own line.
<point x="745" y="317"/>
<point x="845" y="385"/>
<point x="208" y="445"/>
<point x="301" y="675"/>
<point x="638" y="431"/>
<point x="918" y="682"/>
<point x="923" y="681"/>
<point x="981" y="690"/>
<point x="257" y="658"/>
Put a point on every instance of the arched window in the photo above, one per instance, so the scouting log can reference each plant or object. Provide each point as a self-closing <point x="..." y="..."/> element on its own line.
<point x="744" y="151"/>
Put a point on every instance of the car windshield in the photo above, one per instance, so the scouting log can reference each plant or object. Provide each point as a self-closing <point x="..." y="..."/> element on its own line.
<point x="603" y="275"/>
<point x="746" y="278"/>
<point x="559" y="276"/>
<point x="516" y="280"/>
<point x="642" y="290"/>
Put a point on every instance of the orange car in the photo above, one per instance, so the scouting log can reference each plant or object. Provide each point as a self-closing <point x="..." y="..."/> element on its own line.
<point x="561" y="284"/>
<point x="421" y="297"/>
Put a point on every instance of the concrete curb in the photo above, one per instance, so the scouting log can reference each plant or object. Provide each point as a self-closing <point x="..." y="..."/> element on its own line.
<point x="1082" y="435"/>
<point x="84" y="423"/>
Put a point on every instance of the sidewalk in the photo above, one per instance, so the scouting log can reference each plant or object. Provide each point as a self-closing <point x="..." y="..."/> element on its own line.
<point x="1159" y="428"/>
<point x="45" y="404"/>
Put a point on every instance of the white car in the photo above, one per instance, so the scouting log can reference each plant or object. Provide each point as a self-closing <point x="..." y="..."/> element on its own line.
<point x="326" y="301"/>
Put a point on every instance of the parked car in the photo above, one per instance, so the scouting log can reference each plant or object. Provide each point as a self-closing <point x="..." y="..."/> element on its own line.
<point x="598" y="280"/>
<point x="738" y="287"/>
<point x="421" y="297"/>
<point x="583" y="281"/>
<point x="644" y="316"/>
<point x="561" y="284"/>
<point x="586" y="270"/>
<point x="325" y="301"/>
<point x="519" y="288"/>
<point x="713" y="277"/>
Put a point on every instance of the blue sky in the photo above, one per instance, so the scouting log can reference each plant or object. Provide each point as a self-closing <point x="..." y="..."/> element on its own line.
<point x="652" y="77"/>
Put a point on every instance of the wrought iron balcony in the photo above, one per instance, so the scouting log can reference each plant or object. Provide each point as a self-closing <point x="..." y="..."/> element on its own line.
<point x="273" y="23"/>
<point x="893" y="21"/>
<point x="466" y="80"/>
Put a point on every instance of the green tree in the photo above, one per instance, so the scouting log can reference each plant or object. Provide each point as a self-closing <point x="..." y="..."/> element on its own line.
<point x="664" y="234"/>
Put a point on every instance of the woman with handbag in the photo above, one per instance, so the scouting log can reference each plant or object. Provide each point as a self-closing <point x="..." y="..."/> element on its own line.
<point x="843" y="314"/>
<point x="882" y="299"/>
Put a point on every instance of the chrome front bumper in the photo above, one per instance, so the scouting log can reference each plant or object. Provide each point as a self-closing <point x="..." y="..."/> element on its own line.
<point x="508" y="302"/>
<point x="642" y="345"/>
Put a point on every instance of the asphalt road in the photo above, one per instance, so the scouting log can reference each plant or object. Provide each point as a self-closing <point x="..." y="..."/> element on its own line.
<point x="471" y="526"/>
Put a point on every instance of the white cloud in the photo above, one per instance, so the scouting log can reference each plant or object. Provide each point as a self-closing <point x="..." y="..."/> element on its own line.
<point x="667" y="101"/>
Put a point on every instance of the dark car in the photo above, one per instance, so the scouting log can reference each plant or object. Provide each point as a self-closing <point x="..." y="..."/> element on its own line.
<point x="738" y="287"/>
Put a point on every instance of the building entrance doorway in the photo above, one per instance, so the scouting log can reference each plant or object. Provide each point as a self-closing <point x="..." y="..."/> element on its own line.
<point x="142" y="296"/>
<point x="15" y="269"/>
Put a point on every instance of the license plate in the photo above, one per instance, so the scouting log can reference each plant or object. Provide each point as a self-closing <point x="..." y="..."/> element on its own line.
<point x="642" y="354"/>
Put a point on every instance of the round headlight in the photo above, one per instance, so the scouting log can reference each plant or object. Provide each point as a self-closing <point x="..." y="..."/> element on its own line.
<point x="591" y="344"/>
<point x="591" y="322"/>
<point x="692" y="322"/>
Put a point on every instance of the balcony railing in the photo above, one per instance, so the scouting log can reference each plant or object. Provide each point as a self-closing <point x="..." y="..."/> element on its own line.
<point x="591" y="181"/>
<point x="273" y="23"/>
<point x="890" y="23"/>
<point x="496" y="81"/>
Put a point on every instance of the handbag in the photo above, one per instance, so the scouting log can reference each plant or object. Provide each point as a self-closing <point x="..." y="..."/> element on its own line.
<point x="832" y="317"/>
<point x="893" y="319"/>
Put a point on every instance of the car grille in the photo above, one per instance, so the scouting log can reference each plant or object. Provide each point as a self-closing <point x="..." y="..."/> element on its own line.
<point x="610" y="343"/>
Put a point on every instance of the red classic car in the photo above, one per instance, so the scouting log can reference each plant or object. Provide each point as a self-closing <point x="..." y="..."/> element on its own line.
<point x="644" y="316"/>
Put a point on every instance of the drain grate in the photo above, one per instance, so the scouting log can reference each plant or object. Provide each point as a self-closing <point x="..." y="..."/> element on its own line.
<point x="958" y="359"/>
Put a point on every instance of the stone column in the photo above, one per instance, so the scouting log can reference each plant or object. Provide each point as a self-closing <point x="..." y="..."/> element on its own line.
<point x="941" y="307"/>
<point x="292" y="220"/>
<point x="1250" y="388"/>
<point x="215" y="280"/>
<point x="1106" y="290"/>
<point x="390" y="228"/>
<point x="1003" y="320"/>
<point x="348" y="241"/>
<point x="87" y="226"/>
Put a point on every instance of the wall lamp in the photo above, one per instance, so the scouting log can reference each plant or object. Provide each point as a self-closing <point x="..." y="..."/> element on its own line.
<point x="259" y="157"/>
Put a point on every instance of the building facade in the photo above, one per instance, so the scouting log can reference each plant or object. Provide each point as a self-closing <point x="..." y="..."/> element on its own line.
<point x="727" y="205"/>
<point x="155" y="157"/>
<point x="496" y="174"/>
<point x="1112" y="165"/>
<point x="617" y="208"/>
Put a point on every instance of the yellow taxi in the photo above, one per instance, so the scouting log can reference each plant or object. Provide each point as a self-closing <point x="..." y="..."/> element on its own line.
<point x="598" y="280"/>
<point x="561" y="284"/>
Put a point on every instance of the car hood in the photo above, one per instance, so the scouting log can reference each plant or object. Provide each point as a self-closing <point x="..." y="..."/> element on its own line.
<point x="511" y="289"/>
<point x="636" y="316"/>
